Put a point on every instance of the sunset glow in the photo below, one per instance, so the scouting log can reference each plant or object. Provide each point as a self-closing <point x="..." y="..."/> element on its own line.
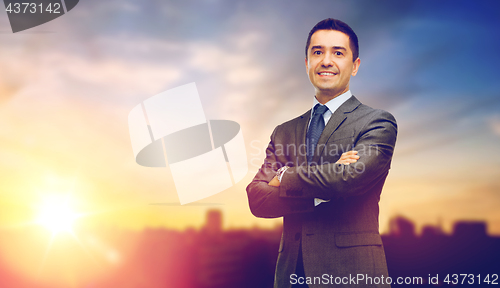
<point x="56" y="215"/>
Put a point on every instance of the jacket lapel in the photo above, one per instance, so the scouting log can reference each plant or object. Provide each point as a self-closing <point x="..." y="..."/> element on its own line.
<point x="338" y="117"/>
<point x="300" y="138"/>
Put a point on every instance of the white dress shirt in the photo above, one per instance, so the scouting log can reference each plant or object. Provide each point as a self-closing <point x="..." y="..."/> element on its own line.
<point x="332" y="105"/>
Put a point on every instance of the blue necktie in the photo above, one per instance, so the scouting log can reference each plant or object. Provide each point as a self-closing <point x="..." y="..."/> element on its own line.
<point x="315" y="129"/>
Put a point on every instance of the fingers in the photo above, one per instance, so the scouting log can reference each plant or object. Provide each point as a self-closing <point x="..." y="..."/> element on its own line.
<point x="274" y="182"/>
<point x="349" y="153"/>
<point x="348" y="158"/>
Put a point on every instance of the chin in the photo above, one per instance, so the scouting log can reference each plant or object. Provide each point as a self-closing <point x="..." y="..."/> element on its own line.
<point x="328" y="88"/>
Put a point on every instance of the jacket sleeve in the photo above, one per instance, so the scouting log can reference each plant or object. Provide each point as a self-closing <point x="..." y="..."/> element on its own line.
<point x="375" y="146"/>
<point x="264" y="200"/>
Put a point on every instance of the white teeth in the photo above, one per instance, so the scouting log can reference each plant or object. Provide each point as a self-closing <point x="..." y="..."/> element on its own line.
<point x="326" y="73"/>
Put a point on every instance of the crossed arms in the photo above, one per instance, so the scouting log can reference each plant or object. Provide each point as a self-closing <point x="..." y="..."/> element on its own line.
<point x="299" y="185"/>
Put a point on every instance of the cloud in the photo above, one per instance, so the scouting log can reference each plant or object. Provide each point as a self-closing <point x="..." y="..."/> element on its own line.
<point x="494" y="123"/>
<point x="7" y="90"/>
<point x="118" y="75"/>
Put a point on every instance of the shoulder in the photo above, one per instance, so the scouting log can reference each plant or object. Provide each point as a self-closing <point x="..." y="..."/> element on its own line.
<point x="292" y="124"/>
<point x="366" y="118"/>
<point x="287" y="131"/>
<point x="364" y="111"/>
<point x="370" y="120"/>
<point x="374" y="113"/>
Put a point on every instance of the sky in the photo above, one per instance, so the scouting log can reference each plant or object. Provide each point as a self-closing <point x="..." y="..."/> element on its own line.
<point x="67" y="86"/>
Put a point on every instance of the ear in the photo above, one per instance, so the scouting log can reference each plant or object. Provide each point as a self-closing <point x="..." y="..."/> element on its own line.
<point x="355" y="66"/>
<point x="307" y="67"/>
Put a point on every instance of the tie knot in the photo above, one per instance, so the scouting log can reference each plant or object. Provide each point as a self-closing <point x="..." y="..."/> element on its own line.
<point x="320" y="109"/>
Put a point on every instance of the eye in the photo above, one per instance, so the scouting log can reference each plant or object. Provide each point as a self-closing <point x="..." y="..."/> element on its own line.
<point x="317" y="52"/>
<point x="338" y="53"/>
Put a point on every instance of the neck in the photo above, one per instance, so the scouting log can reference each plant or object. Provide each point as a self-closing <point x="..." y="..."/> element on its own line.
<point x="324" y="96"/>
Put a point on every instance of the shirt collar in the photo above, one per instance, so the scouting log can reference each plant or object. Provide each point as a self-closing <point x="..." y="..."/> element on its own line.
<point x="335" y="103"/>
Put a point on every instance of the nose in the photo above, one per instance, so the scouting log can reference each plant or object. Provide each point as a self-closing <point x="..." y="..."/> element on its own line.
<point x="327" y="60"/>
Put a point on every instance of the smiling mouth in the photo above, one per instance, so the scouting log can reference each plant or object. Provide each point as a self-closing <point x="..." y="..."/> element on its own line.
<point x="327" y="74"/>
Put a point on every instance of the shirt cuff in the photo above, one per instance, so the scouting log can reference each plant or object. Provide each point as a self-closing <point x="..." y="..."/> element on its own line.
<point x="318" y="201"/>
<point x="282" y="172"/>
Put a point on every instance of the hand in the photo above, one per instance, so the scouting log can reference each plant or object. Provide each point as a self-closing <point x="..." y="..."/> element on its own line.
<point x="348" y="158"/>
<point x="274" y="182"/>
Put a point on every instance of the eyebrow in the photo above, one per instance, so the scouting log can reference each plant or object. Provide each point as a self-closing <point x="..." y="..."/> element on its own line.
<point x="334" y="47"/>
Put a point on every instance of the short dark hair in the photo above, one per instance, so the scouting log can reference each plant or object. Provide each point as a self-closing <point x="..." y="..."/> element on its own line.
<point x="334" y="24"/>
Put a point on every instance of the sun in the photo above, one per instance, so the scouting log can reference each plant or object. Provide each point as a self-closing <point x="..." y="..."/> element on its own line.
<point x="56" y="215"/>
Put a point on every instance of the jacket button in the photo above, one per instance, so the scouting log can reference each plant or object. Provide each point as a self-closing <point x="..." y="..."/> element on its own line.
<point x="297" y="236"/>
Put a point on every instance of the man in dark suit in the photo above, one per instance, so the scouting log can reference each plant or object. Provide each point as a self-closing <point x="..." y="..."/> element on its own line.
<point x="324" y="172"/>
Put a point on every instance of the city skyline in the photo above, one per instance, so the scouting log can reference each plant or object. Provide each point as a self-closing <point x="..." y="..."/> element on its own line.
<point x="212" y="256"/>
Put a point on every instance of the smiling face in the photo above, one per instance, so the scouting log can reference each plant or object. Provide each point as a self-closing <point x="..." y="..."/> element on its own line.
<point x="329" y="64"/>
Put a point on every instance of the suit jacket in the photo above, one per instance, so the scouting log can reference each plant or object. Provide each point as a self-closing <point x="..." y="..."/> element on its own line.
<point x="340" y="238"/>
